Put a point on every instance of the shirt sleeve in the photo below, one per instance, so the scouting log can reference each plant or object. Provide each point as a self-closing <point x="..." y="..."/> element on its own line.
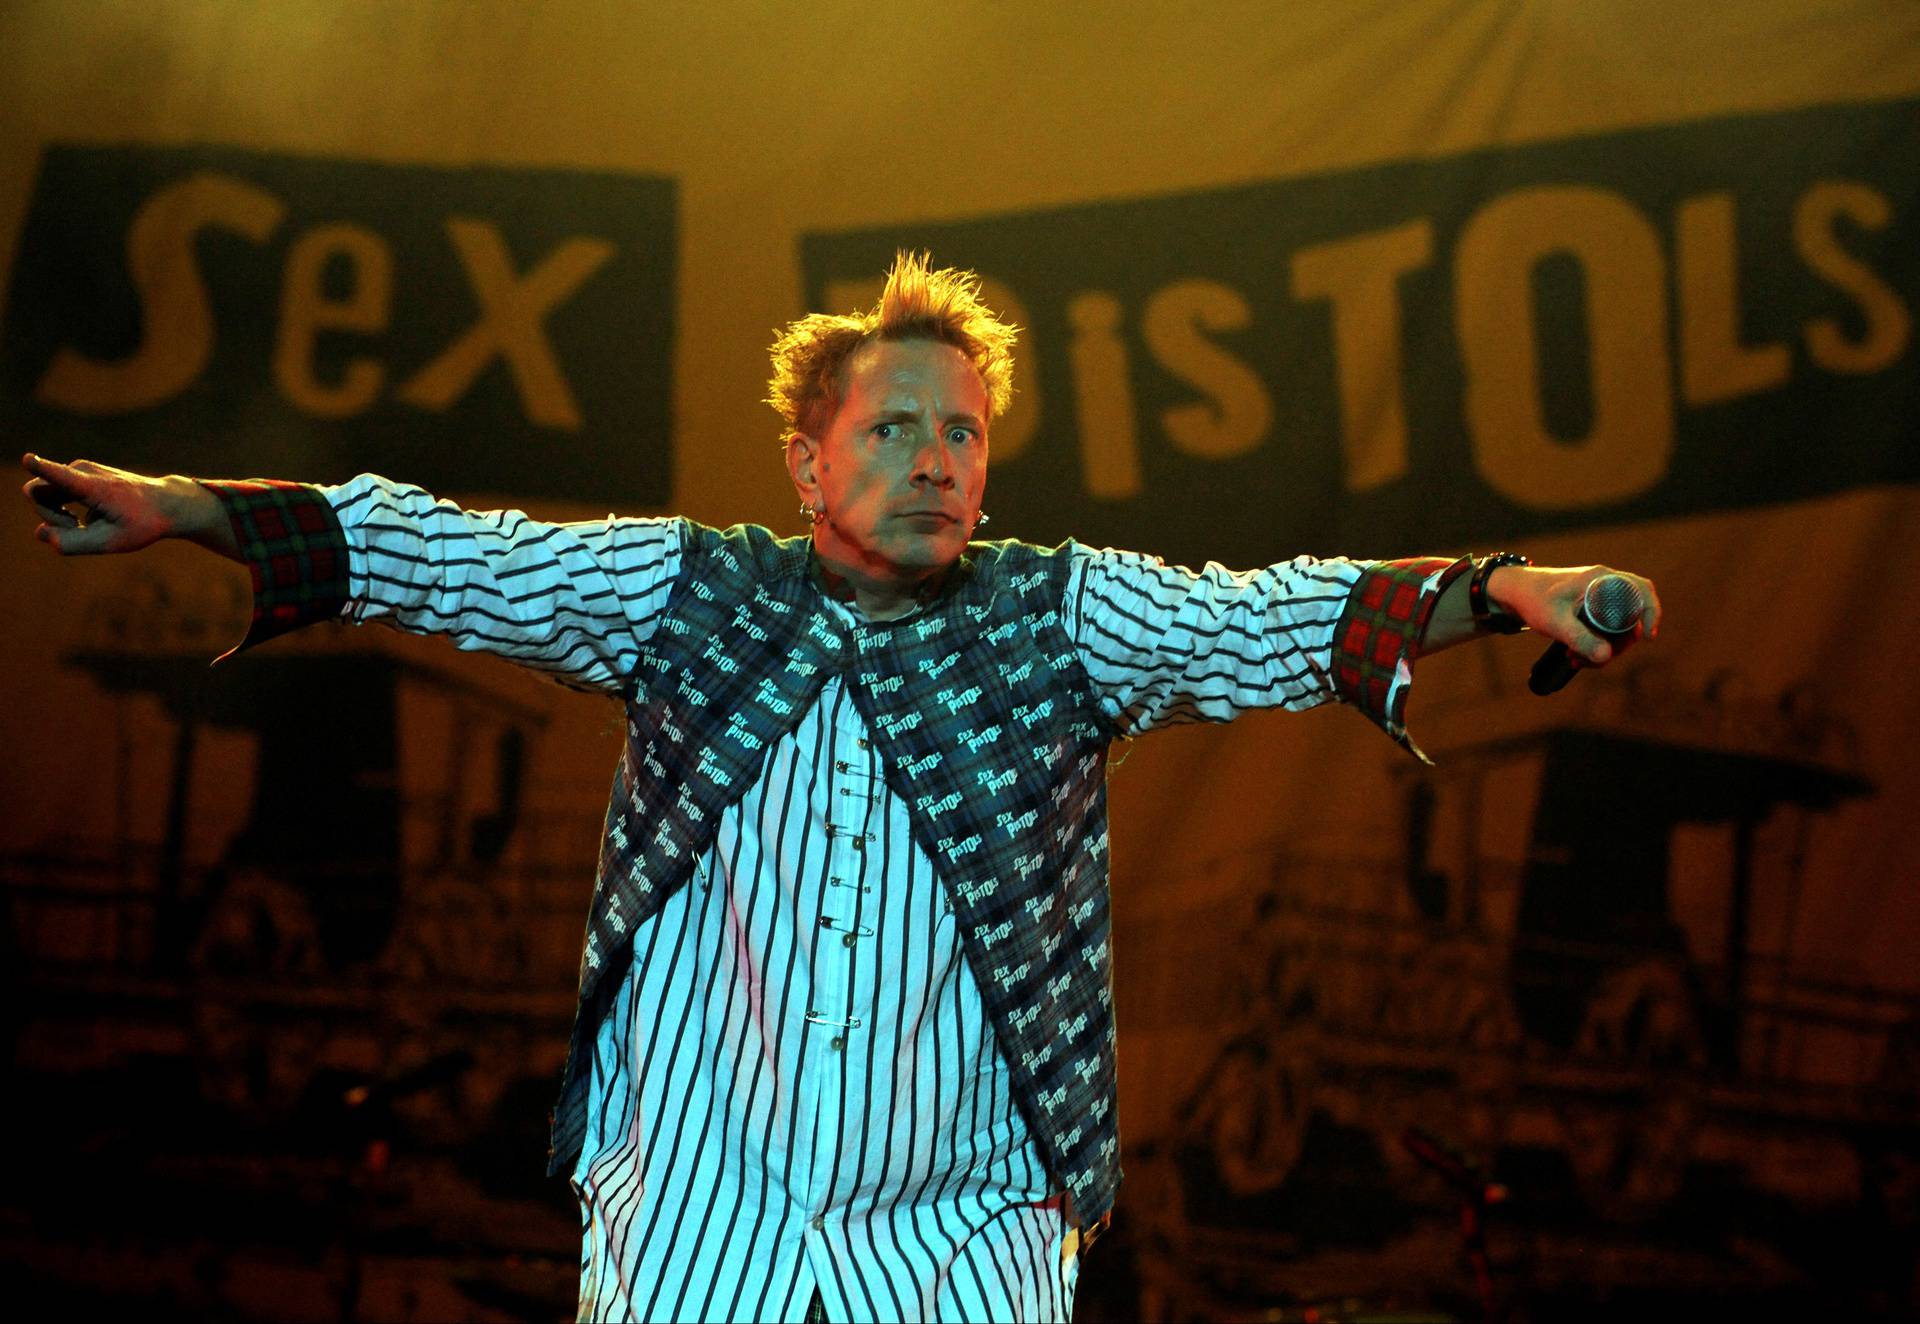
<point x="575" y="600"/>
<point x="1165" y="644"/>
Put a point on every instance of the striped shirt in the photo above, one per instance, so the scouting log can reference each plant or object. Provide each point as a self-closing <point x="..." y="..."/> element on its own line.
<point x="796" y="1088"/>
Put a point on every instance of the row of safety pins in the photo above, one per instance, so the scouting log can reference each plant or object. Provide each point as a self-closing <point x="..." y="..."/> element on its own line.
<point x="857" y="837"/>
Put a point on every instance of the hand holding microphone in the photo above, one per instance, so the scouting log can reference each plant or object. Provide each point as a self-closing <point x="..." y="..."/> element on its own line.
<point x="1611" y="607"/>
<point x="1592" y="612"/>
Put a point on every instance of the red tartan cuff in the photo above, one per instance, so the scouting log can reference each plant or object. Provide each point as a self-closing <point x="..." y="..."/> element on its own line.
<point x="1379" y="635"/>
<point x="295" y="549"/>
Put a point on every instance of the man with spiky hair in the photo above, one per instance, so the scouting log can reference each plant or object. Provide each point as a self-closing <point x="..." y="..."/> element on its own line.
<point x="845" y="1046"/>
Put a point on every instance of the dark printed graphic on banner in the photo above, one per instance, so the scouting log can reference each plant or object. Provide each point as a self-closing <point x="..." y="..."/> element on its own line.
<point x="480" y="329"/>
<point x="1428" y="354"/>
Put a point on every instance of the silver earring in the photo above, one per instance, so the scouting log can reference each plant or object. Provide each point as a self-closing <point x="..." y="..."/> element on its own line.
<point x="813" y="513"/>
<point x="981" y="518"/>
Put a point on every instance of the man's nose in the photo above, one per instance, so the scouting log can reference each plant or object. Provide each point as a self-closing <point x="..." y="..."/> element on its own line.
<point x="934" y="462"/>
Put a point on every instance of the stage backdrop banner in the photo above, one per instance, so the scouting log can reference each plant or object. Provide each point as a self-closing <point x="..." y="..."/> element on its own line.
<point x="221" y="311"/>
<point x="1616" y="327"/>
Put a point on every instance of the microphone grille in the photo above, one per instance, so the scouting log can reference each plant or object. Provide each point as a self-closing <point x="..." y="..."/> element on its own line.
<point x="1613" y="604"/>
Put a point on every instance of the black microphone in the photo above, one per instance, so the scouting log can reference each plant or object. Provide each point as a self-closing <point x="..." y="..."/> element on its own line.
<point x="1610" y="607"/>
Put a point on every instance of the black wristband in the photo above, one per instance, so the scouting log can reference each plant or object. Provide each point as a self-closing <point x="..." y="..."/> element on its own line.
<point x="1485" y="613"/>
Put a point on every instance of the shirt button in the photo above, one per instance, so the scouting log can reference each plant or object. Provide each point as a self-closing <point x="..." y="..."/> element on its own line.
<point x="847" y="941"/>
<point x="817" y="1224"/>
<point x="839" y="1042"/>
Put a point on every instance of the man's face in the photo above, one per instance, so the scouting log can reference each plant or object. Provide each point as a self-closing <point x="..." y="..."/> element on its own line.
<point x="901" y="468"/>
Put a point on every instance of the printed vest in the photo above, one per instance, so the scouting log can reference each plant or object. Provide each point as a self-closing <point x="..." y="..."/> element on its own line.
<point x="988" y="730"/>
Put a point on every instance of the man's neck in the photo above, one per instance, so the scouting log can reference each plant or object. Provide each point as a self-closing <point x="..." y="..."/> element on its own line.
<point x="878" y="593"/>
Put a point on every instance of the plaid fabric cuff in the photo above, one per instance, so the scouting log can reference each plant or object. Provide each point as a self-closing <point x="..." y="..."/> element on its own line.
<point x="293" y="544"/>
<point x="1379" y="636"/>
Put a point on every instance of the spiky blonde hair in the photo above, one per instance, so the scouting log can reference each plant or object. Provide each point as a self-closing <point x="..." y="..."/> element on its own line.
<point x="810" y="356"/>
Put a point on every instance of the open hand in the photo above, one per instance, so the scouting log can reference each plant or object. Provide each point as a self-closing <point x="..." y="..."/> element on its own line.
<point x="87" y="508"/>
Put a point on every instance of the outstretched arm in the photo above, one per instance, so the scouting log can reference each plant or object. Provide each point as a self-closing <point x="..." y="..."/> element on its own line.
<point x="87" y="508"/>
<point x="575" y="600"/>
<point x="1164" y="644"/>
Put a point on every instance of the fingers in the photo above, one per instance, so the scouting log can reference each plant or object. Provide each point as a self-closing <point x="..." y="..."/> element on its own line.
<point x="1650" y="619"/>
<point x="1648" y="624"/>
<point x="49" y="502"/>
<point x="52" y="489"/>
<point x="1595" y="649"/>
<point x="76" y="478"/>
<point x="80" y="539"/>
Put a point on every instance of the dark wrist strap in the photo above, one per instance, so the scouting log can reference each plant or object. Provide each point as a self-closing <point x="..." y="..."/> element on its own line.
<point x="1485" y="613"/>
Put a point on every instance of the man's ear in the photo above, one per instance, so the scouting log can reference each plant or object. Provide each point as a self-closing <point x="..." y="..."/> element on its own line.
<point x="801" y="451"/>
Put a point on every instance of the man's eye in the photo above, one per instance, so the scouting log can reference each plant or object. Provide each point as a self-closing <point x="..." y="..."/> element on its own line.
<point x="958" y="435"/>
<point x="885" y="431"/>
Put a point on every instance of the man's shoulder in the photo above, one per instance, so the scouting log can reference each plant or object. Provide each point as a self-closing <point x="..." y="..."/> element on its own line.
<point x="1005" y="555"/>
<point x="746" y="549"/>
<point x="1008" y="577"/>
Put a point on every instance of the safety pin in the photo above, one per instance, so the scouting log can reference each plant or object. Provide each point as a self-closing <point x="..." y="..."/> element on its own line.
<point x="817" y="1019"/>
<point x="827" y="922"/>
